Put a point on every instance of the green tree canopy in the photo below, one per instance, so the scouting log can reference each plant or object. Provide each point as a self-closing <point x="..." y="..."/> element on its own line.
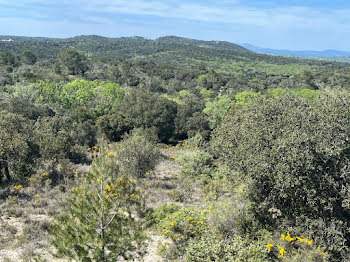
<point x="75" y="62"/>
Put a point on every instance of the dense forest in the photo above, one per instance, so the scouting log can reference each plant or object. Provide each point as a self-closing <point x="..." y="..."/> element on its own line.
<point x="174" y="149"/>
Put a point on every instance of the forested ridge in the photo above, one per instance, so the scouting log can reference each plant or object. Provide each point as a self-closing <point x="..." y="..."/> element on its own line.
<point x="173" y="149"/>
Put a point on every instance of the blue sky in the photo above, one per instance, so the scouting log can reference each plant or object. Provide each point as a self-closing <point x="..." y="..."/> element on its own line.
<point x="293" y="24"/>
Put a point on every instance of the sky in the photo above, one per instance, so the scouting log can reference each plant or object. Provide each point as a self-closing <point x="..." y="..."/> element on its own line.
<point x="279" y="24"/>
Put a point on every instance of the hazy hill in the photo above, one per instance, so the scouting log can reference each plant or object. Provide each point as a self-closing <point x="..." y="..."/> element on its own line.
<point x="329" y="54"/>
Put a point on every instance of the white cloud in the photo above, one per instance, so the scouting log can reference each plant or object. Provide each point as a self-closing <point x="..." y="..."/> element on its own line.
<point x="236" y="13"/>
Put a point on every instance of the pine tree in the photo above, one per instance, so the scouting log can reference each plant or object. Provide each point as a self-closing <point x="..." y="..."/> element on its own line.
<point x="102" y="220"/>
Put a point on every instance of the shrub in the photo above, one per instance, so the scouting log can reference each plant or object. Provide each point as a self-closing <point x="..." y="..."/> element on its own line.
<point x="217" y="110"/>
<point x="295" y="248"/>
<point x="102" y="220"/>
<point x="196" y="163"/>
<point x="294" y="154"/>
<point x="246" y="98"/>
<point x="149" y="110"/>
<point x="190" y="119"/>
<point x="209" y="248"/>
<point x="113" y="126"/>
<point x="16" y="151"/>
<point x="137" y="156"/>
<point x="181" y="226"/>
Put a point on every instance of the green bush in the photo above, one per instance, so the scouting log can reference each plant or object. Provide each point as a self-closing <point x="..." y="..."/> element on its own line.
<point x="209" y="248"/>
<point x="233" y="217"/>
<point x="196" y="163"/>
<point x="246" y="98"/>
<point x="114" y="125"/>
<point x="217" y="110"/>
<point x="60" y="137"/>
<point x="137" y="156"/>
<point x="144" y="109"/>
<point x="86" y="99"/>
<point x="294" y="155"/>
<point x="180" y="226"/>
<point x="17" y="153"/>
<point x="190" y="119"/>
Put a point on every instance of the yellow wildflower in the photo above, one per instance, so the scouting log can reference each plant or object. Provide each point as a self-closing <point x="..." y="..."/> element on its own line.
<point x="176" y="236"/>
<point x="269" y="246"/>
<point x="172" y="223"/>
<point x="282" y="251"/>
<point x="108" y="188"/>
<point x="300" y="239"/>
<point x="45" y="174"/>
<point x="19" y="187"/>
<point x="111" y="154"/>
<point x="310" y="242"/>
<point x="288" y="238"/>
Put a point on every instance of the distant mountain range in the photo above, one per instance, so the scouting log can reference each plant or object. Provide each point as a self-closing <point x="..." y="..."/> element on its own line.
<point x="291" y="53"/>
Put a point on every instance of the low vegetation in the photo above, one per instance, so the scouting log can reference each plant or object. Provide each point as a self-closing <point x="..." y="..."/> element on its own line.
<point x="171" y="151"/>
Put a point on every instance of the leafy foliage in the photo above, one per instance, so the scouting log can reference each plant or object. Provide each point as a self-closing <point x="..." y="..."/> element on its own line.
<point x="16" y="154"/>
<point x="99" y="223"/>
<point x="294" y="153"/>
<point x="136" y="155"/>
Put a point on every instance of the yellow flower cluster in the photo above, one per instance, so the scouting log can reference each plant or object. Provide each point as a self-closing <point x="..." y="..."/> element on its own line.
<point x="269" y="246"/>
<point x="94" y="148"/>
<point x="111" y="154"/>
<point x="194" y="222"/>
<point x="172" y="157"/>
<point x="18" y="188"/>
<point x="175" y="236"/>
<point x="304" y="240"/>
<point x="108" y="188"/>
<point x="281" y="251"/>
<point x="289" y="239"/>
<point x="286" y="237"/>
